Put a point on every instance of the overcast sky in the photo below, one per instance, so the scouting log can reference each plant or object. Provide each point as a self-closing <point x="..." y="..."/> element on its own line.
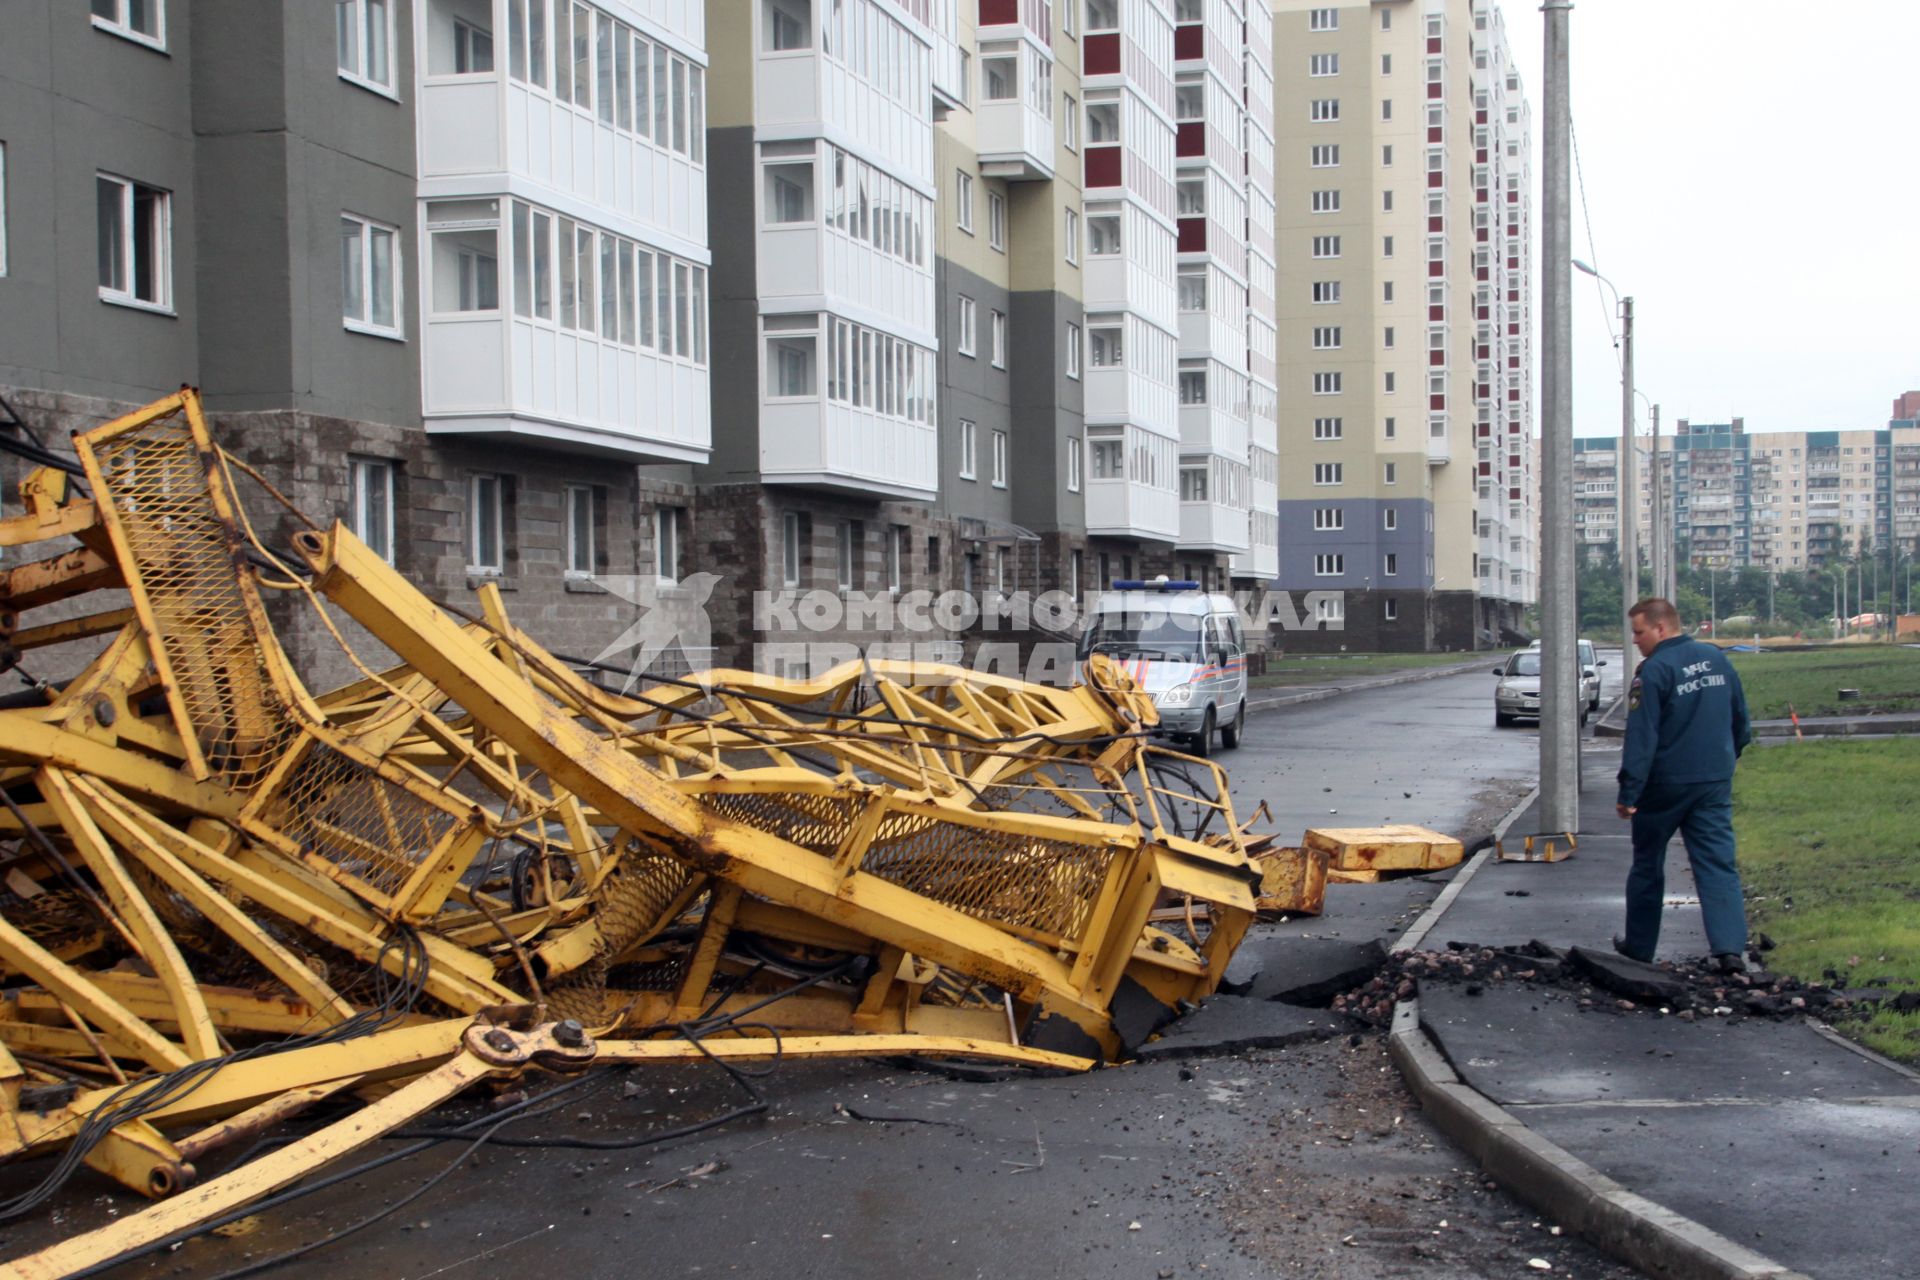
<point x="1753" y="178"/>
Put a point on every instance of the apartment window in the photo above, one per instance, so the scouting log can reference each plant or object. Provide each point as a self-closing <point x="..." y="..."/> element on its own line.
<point x="1389" y="518"/>
<point x="369" y="276"/>
<point x="1390" y="566"/>
<point x="1193" y="386"/>
<point x="1326" y="246"/>
<point x="1193" y="290"/>
<point x="1386" y="246"/>
<point x="999" y="460"/>
<point x="1386" y="64"/>
<point x="997" y="221"/>
<point x="1069" y="117"/>
<point x="969" y="447"/>
<point x="1323" y="64"/>
<point x="896" y="556"/>
<point x="1325" y="155"/>
<point x="668" y="525"/>
<point x="999" y="79"/>
<point x="1386" y="202"/>
<point x="1389" y="473"/>
<point x="785" y="24"/>
<point x="1326" y="384"/>
<point x="1334" y="610"/>
<point x="791" y="361"/>
<point x="1386" y="108"/>
<point x="1326" y="202"/>
<point x="1193" y="485"/>
<point x="789" y="192"/>
<point x="1329" y="428"/>
<point x="1387" y="383"/>
<point x="582" y="543"/>
<point x="135" y="242"/>
<point x="790" y="548"/>
<point x="998" y="321"/>
<point x="3" y="208"/>
<point x="1073" y="575"/>
<point x="963" y="200"/>
<point x="1326" y="291"/>
<point x="370" y="504"/>
<point x="464" y="249"/>
<point x="1103" y="234"/>
<point x="1109" y="463"/>
<point x="486" y="518"/>
<point x="363" y="32"/>
<point x="1329" y="565"/>
<point x="1073" y="350"/>
<point x="144" y="21"/>
<point x="1389" y="611"/>
<point x="846" y="535"/>
<point x="1326" y="338"/>
<point x="963" y="341"/>
<point x="1192" y="198"/>
<point x="473" y="55"/>
<point x="1075" y="462"/>
<point x="1324" y="110"/>
<point x="1070" y="235"/>
<point x="1328" y="473"/>
<point x="1105" y="347"/>
<point x="1386" y="19"/>
<point x="1329" y="519"/>
<point x="1190" y="102"/>
<point x="1388" y="429"/>
<point x="1386" y="338"/>
<point x="1386" y="156"/>
<point x="1323" y="19"/>
<point x="1103" y="122"/>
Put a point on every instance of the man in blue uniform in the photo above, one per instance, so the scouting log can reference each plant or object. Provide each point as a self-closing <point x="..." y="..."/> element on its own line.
<point x="1686" y="725"/>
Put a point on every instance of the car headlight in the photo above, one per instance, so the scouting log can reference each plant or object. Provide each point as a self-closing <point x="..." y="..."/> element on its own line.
<point x="1178" y="696"/>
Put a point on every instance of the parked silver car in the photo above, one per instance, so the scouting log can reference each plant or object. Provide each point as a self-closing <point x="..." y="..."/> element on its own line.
<point x="1590" y="664"/>
<point x="1518" y="692"/>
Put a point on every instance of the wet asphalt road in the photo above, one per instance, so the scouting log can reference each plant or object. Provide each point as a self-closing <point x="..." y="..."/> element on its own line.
<point x="1268" y="1162"/>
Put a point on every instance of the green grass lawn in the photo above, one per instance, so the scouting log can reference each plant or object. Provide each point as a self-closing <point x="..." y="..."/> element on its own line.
<point x="1828" y="833"/>
<point x="1324" y="668"/>
<point x="1887" y="676"/>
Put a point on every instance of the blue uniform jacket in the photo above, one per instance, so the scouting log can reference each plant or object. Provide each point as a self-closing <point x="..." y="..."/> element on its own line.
<point x="1687" y="719"/>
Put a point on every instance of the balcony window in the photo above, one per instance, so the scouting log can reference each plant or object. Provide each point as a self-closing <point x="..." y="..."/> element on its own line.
<point x="1103" y="122"/>
<point x="1109" y="459"/>
<point x="1103" y="235"/>
<point x="1193" y="386"/>
<point x="363" y="31"/>
<point x="790" y="367"/>
<point x="789" y="193"/>
<point x="999" y="79"/>
<point x="1102" y="15"/>
<point x="786" y="25"/>
<point x="135" y="243"/>
<point x="459" y="38"/>
<point x="1193" y="197"/>
<point x="1105" y="347"/>
<point x="369" y="276"/>
<point x="463" y="238"/>
<point x="1190" y="102"/>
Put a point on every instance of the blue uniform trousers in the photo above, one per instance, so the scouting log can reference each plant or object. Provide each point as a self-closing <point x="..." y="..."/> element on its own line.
<point x="1703" y="814"/>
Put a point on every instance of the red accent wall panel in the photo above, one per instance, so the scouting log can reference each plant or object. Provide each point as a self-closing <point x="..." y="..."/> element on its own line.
<point x="1433" y="44"/>
<point x="1103" y="166"/>
<point x="1436" y="269"/>
<point x="1436" y="402"/>
<point x="1436" y="179"/>
<point x="1100" y="54"/>
<point x="995" y="13"/>
<point x="1193" y="138"/>
<point x="1436" y="358"/>
<point x="1193" y="235"/>
<point x="1436" y="313"/>
<point x="1436" y="90"/>
<point x="1189" y="41"/>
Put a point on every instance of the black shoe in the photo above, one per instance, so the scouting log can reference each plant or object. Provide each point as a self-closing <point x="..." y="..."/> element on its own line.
<point x="1727" y="962"/>
<point x="1620" y="945"/>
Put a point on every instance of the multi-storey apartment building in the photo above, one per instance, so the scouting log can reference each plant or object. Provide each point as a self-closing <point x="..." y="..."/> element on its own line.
<point x="441" y="267"/>
<point x="1776" y="499"/>
<point x="1404" y="320"/>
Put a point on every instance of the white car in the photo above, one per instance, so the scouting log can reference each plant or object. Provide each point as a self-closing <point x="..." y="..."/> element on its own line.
<point x="1517" y="694"/>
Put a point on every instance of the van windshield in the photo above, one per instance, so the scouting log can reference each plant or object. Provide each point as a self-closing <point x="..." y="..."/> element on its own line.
<point x="1171" y="637"/>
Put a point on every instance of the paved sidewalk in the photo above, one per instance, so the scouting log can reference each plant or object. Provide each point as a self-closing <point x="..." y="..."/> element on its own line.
<point x="1796" y="1153"/>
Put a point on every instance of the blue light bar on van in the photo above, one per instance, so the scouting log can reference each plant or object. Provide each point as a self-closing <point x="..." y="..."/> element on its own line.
<point x="1159" y="584"/>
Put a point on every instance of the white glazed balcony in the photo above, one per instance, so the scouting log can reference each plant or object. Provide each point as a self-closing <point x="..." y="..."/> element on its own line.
<point x="1213" y="526"/>
<point x="826" y="445"/>
<point x="1131" y="509"/>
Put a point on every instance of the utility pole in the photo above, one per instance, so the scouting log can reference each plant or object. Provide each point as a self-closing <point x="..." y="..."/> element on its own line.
<point x="1559" y="682"/>
<point x="1629" y="502"/>
<point x="1655" y="534"/>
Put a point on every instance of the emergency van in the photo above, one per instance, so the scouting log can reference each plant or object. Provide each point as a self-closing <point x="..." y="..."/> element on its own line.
<point x="1186" y="647"/>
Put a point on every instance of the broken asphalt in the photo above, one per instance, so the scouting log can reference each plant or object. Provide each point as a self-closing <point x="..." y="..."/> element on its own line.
<point x="1705" y="1146"/>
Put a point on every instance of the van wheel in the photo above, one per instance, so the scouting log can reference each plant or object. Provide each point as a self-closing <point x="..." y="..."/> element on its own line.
<point x="1235" y="729"/>
<point x="1202" y="742"/>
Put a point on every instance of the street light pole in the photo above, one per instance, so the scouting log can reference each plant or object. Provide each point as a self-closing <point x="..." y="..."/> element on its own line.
<point x="1559" y="679"/>
<point x="1627" y="506"/>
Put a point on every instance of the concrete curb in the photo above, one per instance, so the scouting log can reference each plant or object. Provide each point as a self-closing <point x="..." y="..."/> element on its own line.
<point x="1320" y="693"/>
<point x="1866" y="726"/>
<point x="1593" y="1206"/>
<point x="1417" y="932"/>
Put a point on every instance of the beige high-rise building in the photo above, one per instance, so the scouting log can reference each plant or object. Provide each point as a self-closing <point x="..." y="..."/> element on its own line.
<point x="1405" y="321"/>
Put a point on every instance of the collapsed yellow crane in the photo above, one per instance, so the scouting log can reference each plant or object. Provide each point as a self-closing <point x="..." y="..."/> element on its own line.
<point x="225" y="899"/>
